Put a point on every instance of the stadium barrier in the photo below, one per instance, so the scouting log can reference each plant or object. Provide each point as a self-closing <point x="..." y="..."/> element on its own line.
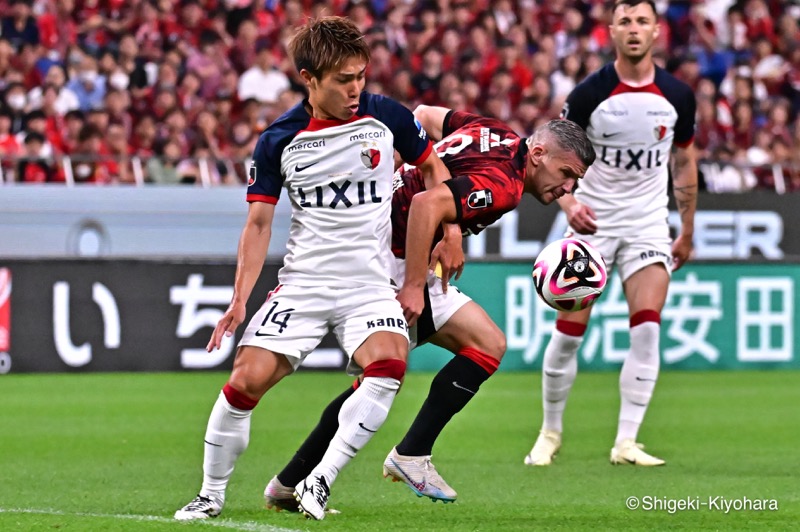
<point x="184" y="222"/>
<point x="125" y="315"/>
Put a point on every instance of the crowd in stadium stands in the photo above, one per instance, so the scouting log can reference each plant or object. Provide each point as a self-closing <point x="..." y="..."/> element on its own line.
<point x="131" y="91"/>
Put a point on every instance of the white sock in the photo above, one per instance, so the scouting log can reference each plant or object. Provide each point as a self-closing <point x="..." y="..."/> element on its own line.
<point x="227" y="436"/>
<point x="638" y="378"/>
<point x="360" y="416"/>
<point x="559" y="368"/>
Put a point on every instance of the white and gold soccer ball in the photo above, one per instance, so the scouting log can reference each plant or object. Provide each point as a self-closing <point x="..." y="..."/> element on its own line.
<point x="569" y="274"/>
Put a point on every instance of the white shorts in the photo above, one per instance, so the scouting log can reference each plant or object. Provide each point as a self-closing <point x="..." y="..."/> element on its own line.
<point x="439" y="307"/>
<point x="294" y="319"/>
<point x="651" y="245"/>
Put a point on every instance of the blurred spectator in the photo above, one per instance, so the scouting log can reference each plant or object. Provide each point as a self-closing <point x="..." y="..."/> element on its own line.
<point x="566" y="37"/>
<point x="565" y="77"/>
<point x="758" y="20"/>
<point x="243" y="142"/>
<point x="199" y="168"/>
<point x="175" y="128"/>
<point x="36" y="122"/>
<point x="30" y="65"/>
<point x="118" y="164"/>
<point x="768" y="67"/>
<point x="116" y="104"/>
<point x="58" y="30"/>
<point x="724" y="176"/>
<point x="89" y="86"/>
<point x="148" y="31"/>
<point x="426" y="81"/>
<point x="262" y="81"/>
<point x="243" y="52"/>
<point x="144" y="136"/>
<point x="16" y="99"/>
<point x="209" y="63"/>
<point x="162" y="169"/>
<point x="66" y="100"/>
<point x="20" y="27"/>
<point x="9" y="145"/>
<point x="69" y="131"/>
<point x="33" y="167"/>
<point x="85" y="166"/>
<point x="744" y="126"/>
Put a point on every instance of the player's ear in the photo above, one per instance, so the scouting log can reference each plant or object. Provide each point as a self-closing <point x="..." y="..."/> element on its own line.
<point x="536" y="153"/>
<point x="308" y="77"/>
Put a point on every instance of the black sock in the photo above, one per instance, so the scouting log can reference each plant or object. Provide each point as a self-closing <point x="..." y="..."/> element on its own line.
<point x="312" y="450"/>
<point x="452" y="388"/>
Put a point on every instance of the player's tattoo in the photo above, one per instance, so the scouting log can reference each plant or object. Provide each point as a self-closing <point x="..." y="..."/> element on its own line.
<point x="685" y="197"/>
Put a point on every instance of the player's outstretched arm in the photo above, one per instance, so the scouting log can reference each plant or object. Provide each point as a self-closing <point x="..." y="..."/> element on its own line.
<point x="432" y="120"/>
<point x="428" y="210"/>
<point x="448" y="253"/>
<point x="684" y="188"/>
<point x="252" y="252"/>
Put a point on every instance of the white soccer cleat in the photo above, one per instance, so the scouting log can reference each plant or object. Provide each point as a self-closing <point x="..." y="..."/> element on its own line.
<point x="419" y="474"/>
<point x="630" y="452"/>
<point x="545" y="449"/>
<point x="279" y="497"/>
<point x="199" y="508"/>
<point x="312" y="495"/>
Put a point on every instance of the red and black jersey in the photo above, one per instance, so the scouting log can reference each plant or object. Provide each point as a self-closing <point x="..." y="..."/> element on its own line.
<point x="486" y="159"/>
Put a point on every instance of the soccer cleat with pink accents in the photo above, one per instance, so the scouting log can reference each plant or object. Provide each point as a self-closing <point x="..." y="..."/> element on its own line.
<point x="419" y="474"/>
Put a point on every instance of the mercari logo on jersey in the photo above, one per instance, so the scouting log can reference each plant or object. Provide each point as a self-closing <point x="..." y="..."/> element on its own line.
<point x="307" y="145"/>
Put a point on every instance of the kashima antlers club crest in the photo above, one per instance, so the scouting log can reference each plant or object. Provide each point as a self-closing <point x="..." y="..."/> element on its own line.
<point x="370" y="156"/>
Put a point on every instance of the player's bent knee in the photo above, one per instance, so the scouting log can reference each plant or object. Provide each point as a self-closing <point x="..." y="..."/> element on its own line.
<point x="487" y="362"/>
<point x="497" y="346"/>
<point x="256" y="370"/>
<point x="392" y="368"/>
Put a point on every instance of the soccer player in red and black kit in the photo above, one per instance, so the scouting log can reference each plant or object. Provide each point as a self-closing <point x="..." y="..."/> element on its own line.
<point x="491" y="167"/>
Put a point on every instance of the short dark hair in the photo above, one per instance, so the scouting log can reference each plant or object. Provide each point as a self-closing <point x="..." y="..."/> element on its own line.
<point x="325" y="44"/>
<point x="34" y="136"/>
<point x="634" y="3"/>
<point x="569" y="136"/>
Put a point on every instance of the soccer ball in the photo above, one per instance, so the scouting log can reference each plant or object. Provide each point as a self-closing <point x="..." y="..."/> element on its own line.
<point x="569" y="274"/>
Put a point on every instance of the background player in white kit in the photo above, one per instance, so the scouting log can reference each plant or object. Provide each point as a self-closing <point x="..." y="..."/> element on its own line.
<point x="334" y="154"/>
<point x="634" y="113"/>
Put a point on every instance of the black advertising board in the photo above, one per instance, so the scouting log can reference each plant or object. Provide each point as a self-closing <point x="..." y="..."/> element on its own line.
<point x="122" y="315"/>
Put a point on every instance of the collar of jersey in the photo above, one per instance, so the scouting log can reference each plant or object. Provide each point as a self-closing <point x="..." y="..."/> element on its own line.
<point x="315" y="124"/>
<point x="522" y="152"/>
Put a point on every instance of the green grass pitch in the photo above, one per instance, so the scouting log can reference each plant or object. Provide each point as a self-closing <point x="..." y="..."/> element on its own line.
<point x="124" y="451"/>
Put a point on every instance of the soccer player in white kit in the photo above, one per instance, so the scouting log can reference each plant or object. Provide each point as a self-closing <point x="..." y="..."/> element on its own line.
<point x="334" y="153"/>
<point x="634" y="113"/>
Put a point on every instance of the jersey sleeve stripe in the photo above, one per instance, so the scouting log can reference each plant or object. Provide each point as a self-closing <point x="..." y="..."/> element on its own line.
<point x="263" y="198"/>
<point x="451" y="184"/>
<point x="446" y="129"/>
<point x="421" y="158"/>
<point x="685" y="144"/>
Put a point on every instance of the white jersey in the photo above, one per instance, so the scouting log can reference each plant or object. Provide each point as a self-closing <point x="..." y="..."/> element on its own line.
<point x="632" y="130"/>
<point x="339" y="178"/>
